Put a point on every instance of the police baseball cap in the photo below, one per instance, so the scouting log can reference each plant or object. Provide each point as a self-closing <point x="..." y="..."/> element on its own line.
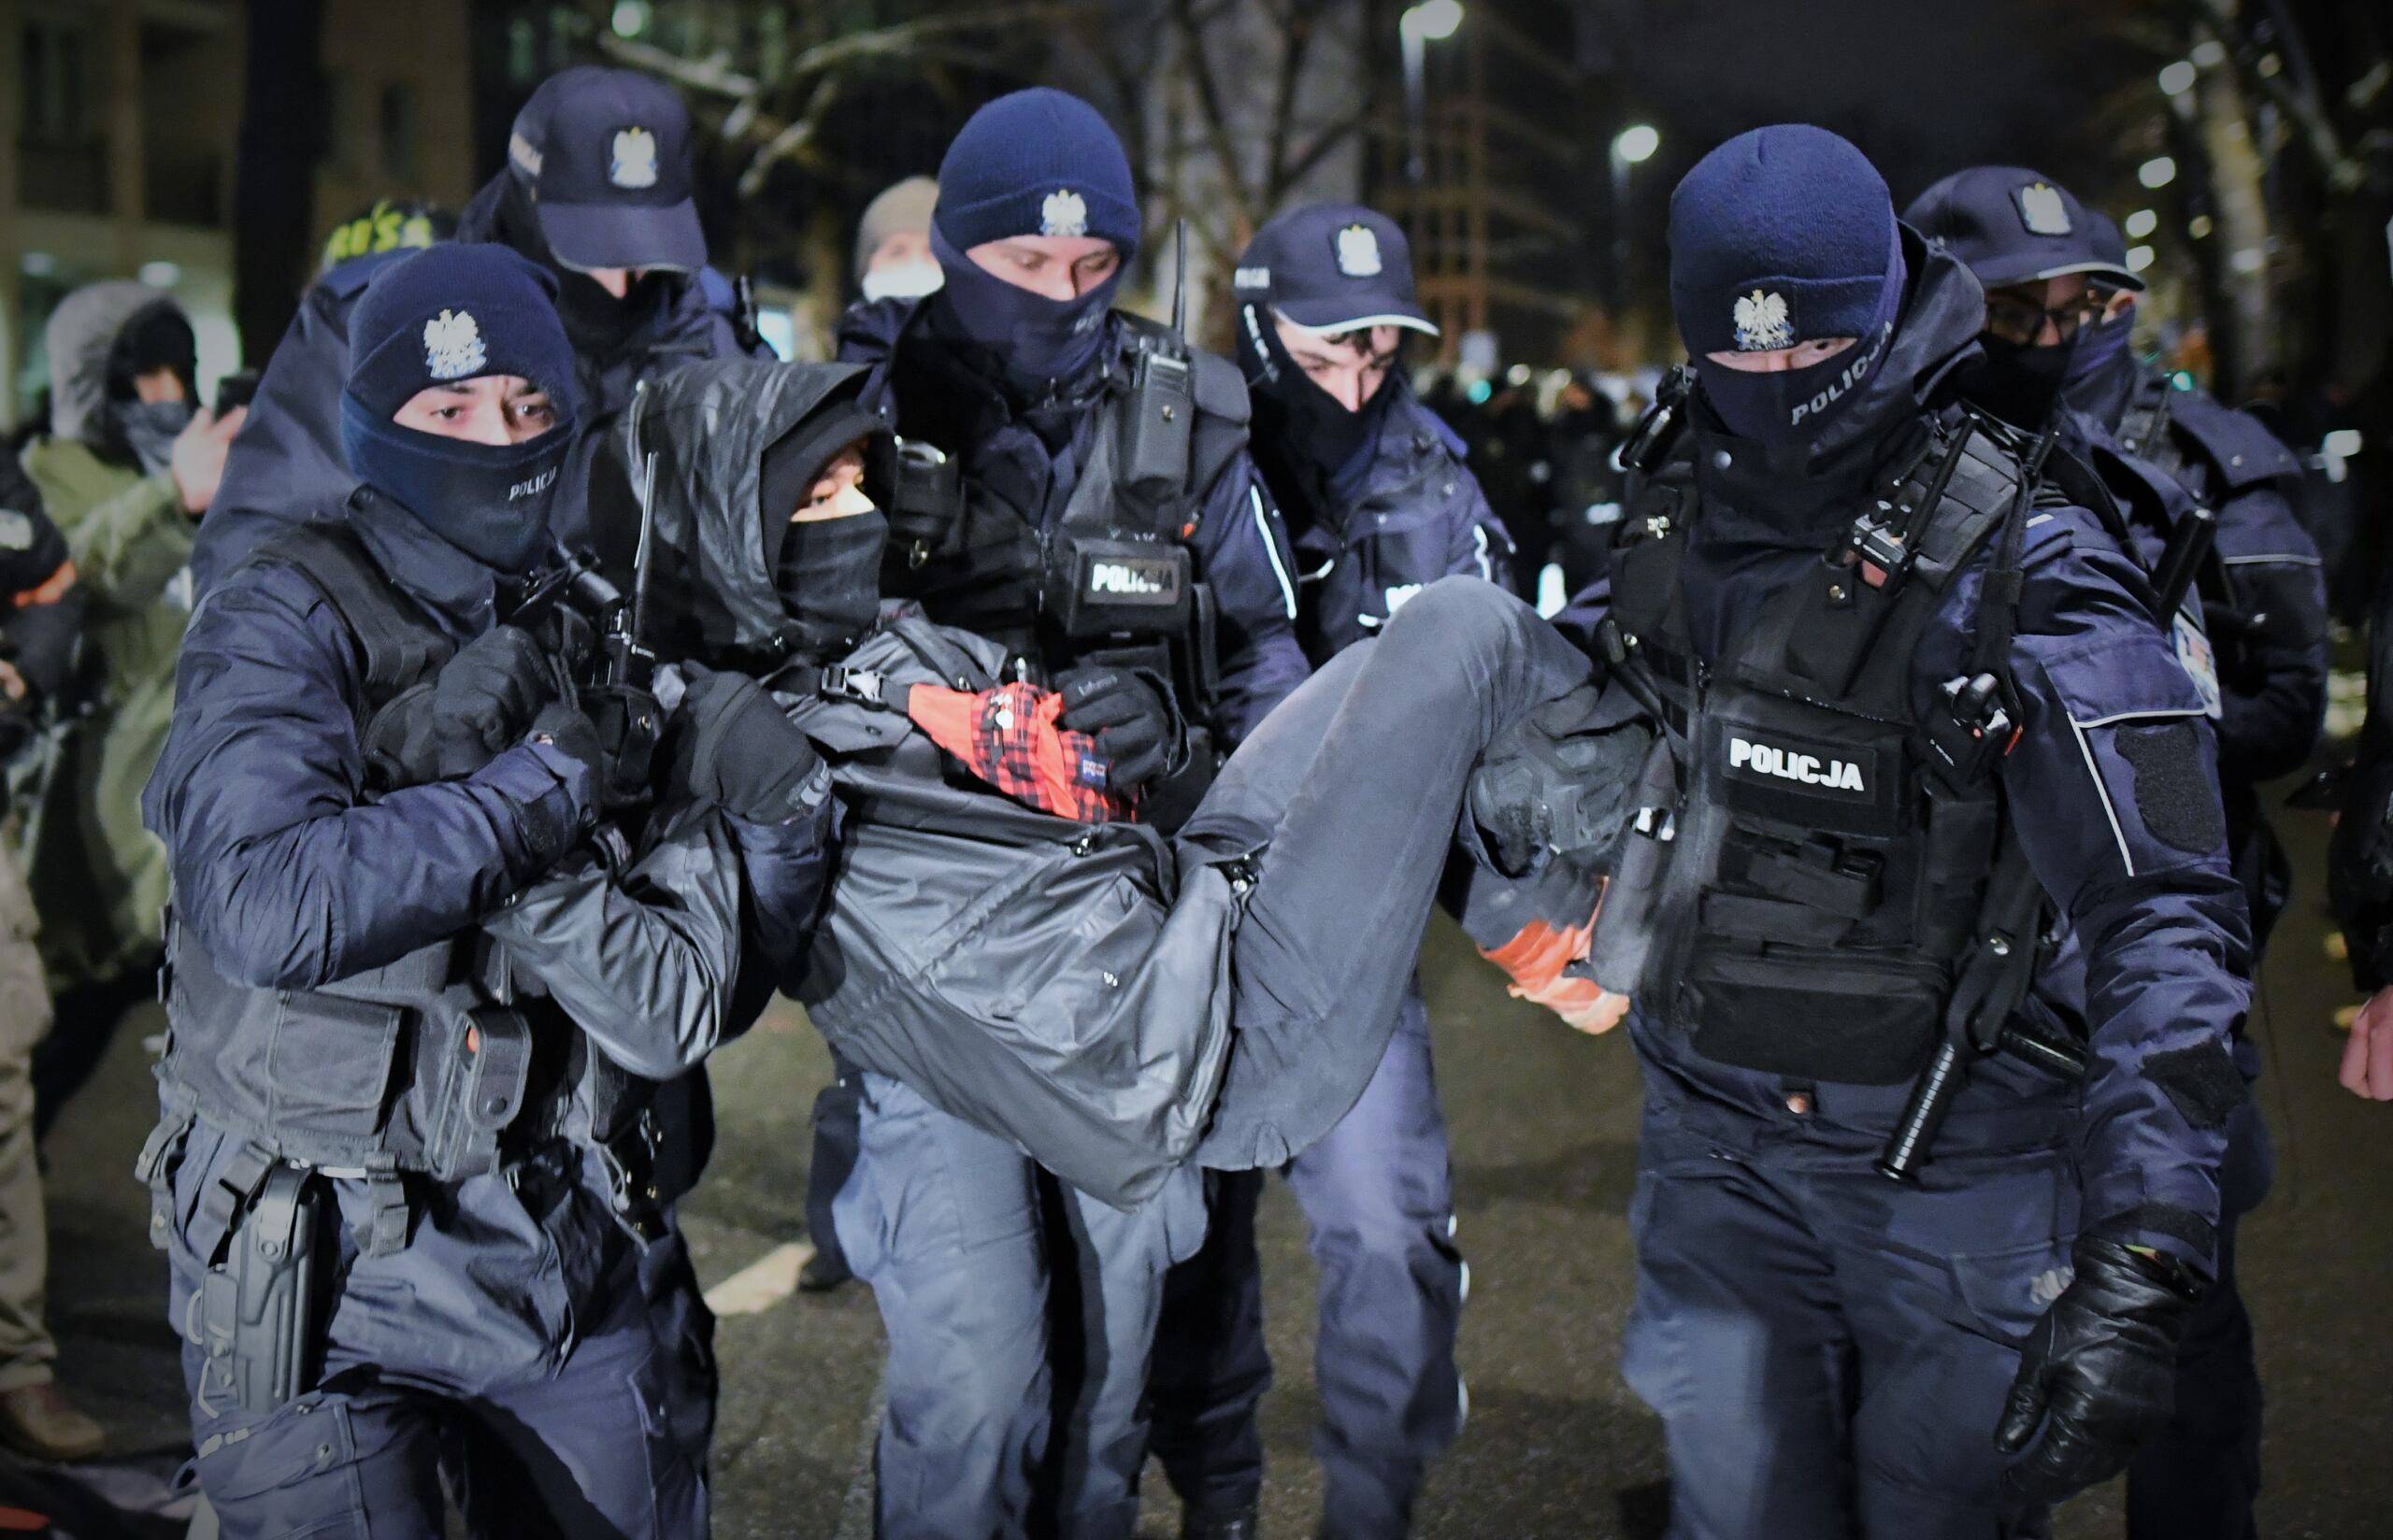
<point x="2009" y="225"/>
<point x="607" y="155"/>
<point x="1332" y="267"/>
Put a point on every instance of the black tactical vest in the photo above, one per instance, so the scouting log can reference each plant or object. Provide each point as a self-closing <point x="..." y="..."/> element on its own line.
<point x="1113" y="568"/>
<point x="1829" y="866"/>
<point x="428" y="1065"/>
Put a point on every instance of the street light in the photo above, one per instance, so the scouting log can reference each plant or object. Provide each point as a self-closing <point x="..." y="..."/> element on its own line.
<point x="1430" y="21"/>
<point x="1632" y="146"/>
<point x="2143" y="222"/>
<point x="2157" y="172"/>
<point x="2177" y="78"/>
<point x="1435" y="19"/>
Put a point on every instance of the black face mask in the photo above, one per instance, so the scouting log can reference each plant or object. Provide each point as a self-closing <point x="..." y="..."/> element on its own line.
<point x="490" y="501"/>
<point x="828" y="575"/>
<point x="2019" y="382"/>
<point x="1310" y="429"/>
<point x="1041" y="344"/>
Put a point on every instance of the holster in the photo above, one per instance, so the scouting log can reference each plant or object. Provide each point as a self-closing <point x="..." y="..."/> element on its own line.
<point x="482" y="1074"/>
<point x="258" y="1310"/>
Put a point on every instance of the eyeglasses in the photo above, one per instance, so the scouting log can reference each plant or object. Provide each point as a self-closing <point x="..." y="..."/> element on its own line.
<point x="2019" y="322"/>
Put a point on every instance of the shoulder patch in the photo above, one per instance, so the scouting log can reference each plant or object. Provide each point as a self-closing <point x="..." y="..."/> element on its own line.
<point x="2173" y="796"/>
<point x="2199" y="661"/>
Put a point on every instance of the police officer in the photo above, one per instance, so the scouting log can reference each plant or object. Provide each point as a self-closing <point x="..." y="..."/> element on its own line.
<point x="1075" y="486"/>
<point x="2059" y="307"/>
<point x="597" y="190"/>
<point x="1913" y="706"/>
<point x="1381" y="506"/>
<point x="406" y="1172"/>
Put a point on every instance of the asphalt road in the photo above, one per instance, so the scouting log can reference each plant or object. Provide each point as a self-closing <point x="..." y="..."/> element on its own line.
<point x="1544" y="1127"/>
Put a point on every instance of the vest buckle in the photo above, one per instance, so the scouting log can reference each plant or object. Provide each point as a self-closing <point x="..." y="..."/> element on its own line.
<point x="862" y="686"/>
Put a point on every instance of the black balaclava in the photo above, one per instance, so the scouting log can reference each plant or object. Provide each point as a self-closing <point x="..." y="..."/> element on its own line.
<point x="1035" y="163"/>
<point x="2102" y="371"/>
<point x="599" y="325"/>
<point x="155" y="337"/>
<point x="456" y="313"/>
<point x="1320" y="441"/>
<point x="1779" y="236"/>
<point x="1040" y="344"/>
<point x="2019" y="381"/>
<point x="827" y="571"/>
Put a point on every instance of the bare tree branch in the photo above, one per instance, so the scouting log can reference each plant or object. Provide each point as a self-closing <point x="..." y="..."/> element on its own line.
<point x="1209" y="99"/>
<point x="2317" y="131"/>
<point x="1295" y="48"/>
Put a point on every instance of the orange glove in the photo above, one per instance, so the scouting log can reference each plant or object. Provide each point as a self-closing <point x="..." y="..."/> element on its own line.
<point x="1535" y="960"/>
<point x="1010" y="737"/>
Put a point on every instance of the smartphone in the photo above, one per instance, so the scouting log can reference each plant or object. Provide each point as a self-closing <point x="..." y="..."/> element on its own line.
<point x="237" y="388"/>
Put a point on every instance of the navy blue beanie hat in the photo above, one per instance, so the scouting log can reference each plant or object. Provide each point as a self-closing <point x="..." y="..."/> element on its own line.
<point x="1781" y="236"/>
<point x="453" y="312"/>
<point x="1036" y="163"/>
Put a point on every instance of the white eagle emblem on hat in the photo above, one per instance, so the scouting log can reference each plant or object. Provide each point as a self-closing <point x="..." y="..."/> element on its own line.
<point x="2041" y="211"/>
<point x="1761" y="322"/>
<point x="452" y="346"/>
<point x="1064" y="213"/>
<point x="632" y="161"/>
<point x="1358" y="252"/>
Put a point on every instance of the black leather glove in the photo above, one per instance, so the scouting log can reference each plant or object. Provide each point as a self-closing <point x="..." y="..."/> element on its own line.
<point x="485" y="697"/>
<point x="1562" y="779"/>
<point x="735" y="747"/>
<point x="2099" y="1372"/>
<point x="1127" y="717"/>
<point x="572" y="734"/>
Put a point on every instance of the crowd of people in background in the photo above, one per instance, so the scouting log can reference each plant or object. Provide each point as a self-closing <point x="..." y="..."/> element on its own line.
<point x="131" y="500"/>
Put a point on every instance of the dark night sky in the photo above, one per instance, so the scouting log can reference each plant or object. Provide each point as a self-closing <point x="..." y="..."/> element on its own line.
<point x="1924" y="86"/>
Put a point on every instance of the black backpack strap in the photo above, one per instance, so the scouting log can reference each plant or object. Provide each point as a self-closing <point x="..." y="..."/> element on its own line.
<point x="927" y="642"/>
<point x="396" y="645"/>
<point x="2006" y="577"/>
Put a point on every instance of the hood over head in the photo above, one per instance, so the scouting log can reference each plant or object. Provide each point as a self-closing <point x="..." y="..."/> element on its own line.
<point x="81" y="335"/>
<point x="694" y="444"/>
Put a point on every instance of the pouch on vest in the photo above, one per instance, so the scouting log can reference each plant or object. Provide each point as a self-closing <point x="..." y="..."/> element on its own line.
<point x="1099" y="587"/>
<point x="482" y="1073"/>
<point x="258" y="1308"/>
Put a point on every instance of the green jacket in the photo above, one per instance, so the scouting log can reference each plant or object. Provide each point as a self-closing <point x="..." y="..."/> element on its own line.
<point x="98" y="878"/>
